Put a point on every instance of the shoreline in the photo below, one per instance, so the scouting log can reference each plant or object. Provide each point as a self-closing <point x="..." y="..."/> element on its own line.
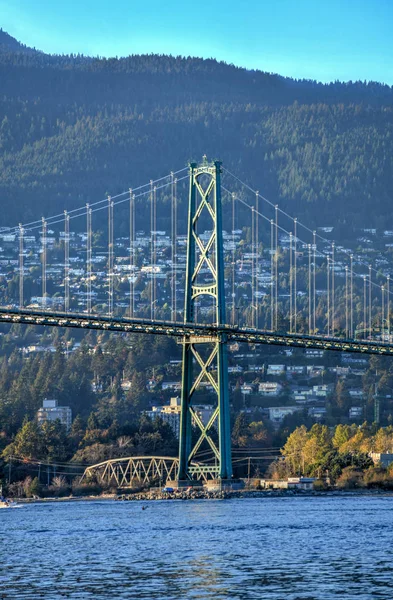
<point x="64" y="499"/>
<point x="149" y="496"/>
<point x="241" y="494"/>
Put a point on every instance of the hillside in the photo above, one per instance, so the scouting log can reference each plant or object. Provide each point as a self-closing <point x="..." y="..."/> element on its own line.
<point x="10" y="44"/>
<point x="74" y="128"/>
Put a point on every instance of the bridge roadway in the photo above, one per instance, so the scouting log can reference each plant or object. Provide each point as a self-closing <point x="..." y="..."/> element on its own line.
<point x="187" y="330"/>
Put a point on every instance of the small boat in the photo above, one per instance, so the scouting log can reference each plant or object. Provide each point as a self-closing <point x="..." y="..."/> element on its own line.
<point x="7" y="504"/>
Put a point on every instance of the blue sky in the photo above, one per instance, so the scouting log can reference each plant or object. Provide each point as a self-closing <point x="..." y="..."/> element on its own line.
<point x="318" y="39"/>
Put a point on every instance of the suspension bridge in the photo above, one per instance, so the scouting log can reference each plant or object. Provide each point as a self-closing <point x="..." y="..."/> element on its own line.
<point x="208" y="284"/>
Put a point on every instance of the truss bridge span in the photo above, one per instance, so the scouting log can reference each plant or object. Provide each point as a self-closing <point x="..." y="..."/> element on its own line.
<point x="136" y="470"/>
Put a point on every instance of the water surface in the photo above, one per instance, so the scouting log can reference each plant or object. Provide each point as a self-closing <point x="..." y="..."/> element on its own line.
<point x="295" y="548"/>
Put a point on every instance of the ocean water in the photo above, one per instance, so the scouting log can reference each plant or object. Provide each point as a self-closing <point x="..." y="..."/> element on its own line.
<point x="295" y="548"/>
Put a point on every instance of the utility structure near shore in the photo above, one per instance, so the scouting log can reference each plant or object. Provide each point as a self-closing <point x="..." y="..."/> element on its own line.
<point x="205" y="262"/>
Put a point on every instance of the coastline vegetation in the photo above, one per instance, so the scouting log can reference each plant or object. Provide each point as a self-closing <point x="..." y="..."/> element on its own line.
<point x="338" y="457"/>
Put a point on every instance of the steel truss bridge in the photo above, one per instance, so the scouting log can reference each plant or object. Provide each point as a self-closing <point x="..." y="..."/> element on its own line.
<point x="346" y="307"/>
<point x="140" y="470"/>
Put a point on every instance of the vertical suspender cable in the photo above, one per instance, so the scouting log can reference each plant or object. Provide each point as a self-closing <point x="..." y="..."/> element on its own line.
<point x="252" y="267"/>
<point x="88" y="258"/>
<point x="309" y="289"/>
<point x="175" y="247"/>
<point x="154" y="251"/>
<point x="173" y="250"/>
<point x="333" y="290"/>
<point x="112" y="261"/>
<point x="364" y="306"/>
<point x="290" y="283"/>
<point x="151" y="248"/>
<point x="388" y="306"/>
<point x="383" y="312"/>
<point x="44" y="231"/>
<point x="272" y="274"/>
<point x="295" y="275"/>
<point x="66" y="261"/>
<point x="256" y="259"/>
<point x="276" y="270"/>
<point x="132" y="253"/>
<point x="314" y="279"/>
<point x="110" y="256"/>
<point x="21" y="267"/>
<point x="369" y="302"/>
<point x="351" y="294"/>
<point x="328" y="293"/>
<point x="233" y="262"/>
<point x="346" y="303"/>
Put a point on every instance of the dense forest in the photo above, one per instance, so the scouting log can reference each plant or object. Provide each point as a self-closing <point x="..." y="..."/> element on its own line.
<point x="74" y="128"/>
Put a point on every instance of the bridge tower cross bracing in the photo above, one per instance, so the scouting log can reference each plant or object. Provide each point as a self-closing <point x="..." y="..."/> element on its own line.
<point x="209" y="353"/>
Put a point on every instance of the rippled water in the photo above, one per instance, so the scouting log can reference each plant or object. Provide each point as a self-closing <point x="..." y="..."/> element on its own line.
<point x="301" y="548"/>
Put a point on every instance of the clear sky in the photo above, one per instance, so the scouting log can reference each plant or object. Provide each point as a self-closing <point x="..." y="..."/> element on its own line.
<point x="318" y="39"/>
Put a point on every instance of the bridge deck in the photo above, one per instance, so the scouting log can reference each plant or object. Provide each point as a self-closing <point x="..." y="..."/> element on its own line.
<point x="185" y="330"/>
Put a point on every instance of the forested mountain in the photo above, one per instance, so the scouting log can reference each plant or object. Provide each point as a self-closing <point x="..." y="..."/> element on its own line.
<point x="74" y="128"/>
<point x="10" y="44"/>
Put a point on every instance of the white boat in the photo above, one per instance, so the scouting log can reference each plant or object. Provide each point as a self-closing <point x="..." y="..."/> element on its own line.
<point x="7" y="504"/>
<point x="4" y="503"/>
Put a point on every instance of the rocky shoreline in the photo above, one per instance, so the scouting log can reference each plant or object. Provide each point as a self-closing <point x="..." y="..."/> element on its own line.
<point x="201" y="494"/>
<point x="224" y="495"/>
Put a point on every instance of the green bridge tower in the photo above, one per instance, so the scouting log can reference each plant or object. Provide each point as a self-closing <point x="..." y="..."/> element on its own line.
<point x="205" y="359"/>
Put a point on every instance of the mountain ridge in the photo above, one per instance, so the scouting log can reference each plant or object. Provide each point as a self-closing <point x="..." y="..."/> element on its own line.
<point x="10" y="44"/>
<point x="74" y="128"/>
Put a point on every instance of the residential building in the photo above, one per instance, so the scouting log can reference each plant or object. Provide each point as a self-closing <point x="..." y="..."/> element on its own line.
<point x="246" y="388"/>
<point x="292" y="483"/>
<point x="278" y="413"/>
<point x="314" y="353"/>
<point x="235" y="369"/>
<point x="317" y="412"/>
<point x="322" y="390"/>
<point x="296" y="369"/>
<point x="355" y="412"/>
<point x="169" y="414"/>
<point x="315" y="370"/>
<point x="171" y="385"/>
<point x="256" y="368"/>
<point x="51" y="411"/>
<point x="275" y="369"/>
<point x="381" y="458"/>
<point x="270" y="388"/>
<point x="301" y="483"/>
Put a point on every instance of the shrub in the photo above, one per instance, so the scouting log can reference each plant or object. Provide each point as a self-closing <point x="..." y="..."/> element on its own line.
<point x="350" y="479"/>
<point x="86" y="489"/>
<point x="320" y="485"/>
<point x="35" y="488"/>
<point x="59" y="492"/>
<point x="378" y="478"/>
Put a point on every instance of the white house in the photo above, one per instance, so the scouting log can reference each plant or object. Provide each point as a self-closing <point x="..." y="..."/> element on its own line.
<point x="270" y="388"/>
